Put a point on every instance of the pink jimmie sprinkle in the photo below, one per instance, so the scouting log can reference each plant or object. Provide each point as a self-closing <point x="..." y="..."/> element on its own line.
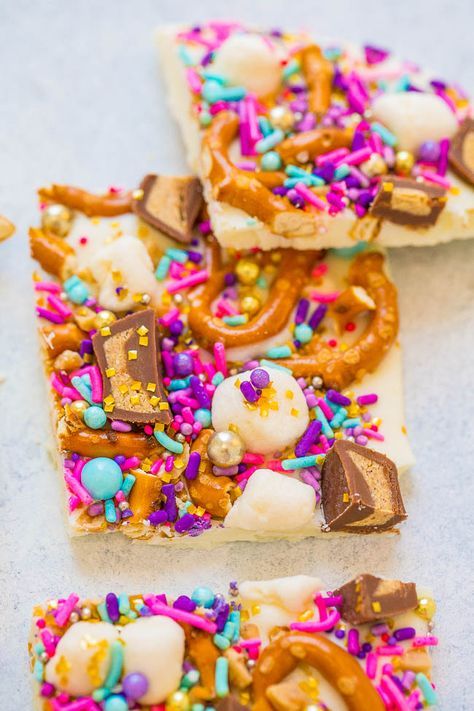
<point x="368" y="399"/>
<point x="63" y="613"/>
<point x="325" y="408"/>
<point x="156" y="466"/>
<point x="220" y="358"/>
<point x="435" y="178"/>
<point x="394" y="694"/>
<point x="130" y="463"/>
<point x="332" y="156"/>
<point x="254" y="130"/>
<point x="48" y="641"/>
<point x="50" y="286"/>
<point x="169" y="317"/>
<point x="371" y="665"/>
<point x="159" y="608"/>
<point x="427" y="641"/>
<point x="77" y="488"/>
<point x="321" y="626"/>
<point x="194" y="81"/>
<point x="96" y="383"/>
<point x="324" y="298"/>
<point x="59" y="306"/>
<point x="391" y="650"/>
<point x="49" y="315"/>
<point x="188" y="282"/>
<point x="372" y="434"/>
<point x="250" y="458"/>
<point x="310" y="197"/>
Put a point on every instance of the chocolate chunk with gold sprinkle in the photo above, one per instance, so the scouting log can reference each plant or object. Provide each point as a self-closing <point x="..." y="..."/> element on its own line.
<point x="461" y="151"/>
<point x="408" y="202"/>
<point x="128" y="356"/>
<point x="170" y="204"/>
<point x="360" y="490"/>
<point x="368" y="598"/>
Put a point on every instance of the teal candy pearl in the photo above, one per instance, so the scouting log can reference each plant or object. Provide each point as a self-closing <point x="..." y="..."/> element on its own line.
<point x="203" y="416"/>
<point x="95" y="417"/>
<point x="271" y="161"/>
<point x="115" y="703"/>
<point x="102" y="478"/>
<point x="303" y="333"/>
<point x="78" y="294"/>
<point x="203" y="597"/>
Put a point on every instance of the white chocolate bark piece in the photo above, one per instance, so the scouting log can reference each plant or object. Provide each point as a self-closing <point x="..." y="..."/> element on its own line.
<point x="272" y="501"/>
<point x="234" y="227"/>
<point x="260" y="428"/>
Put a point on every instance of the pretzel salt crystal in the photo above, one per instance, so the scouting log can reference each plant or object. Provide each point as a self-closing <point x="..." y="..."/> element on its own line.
<point x="318" y="72"/>
<point x="207" y="490"/>
<point x="309" y="144"/>
<point x="106" y="205"/>
<point x="340" y="369"/>
<point x="243" y="189"/>
<point x="293" y="273"/>
<point x="337" y="666"/>
<point x="50" y="251"/>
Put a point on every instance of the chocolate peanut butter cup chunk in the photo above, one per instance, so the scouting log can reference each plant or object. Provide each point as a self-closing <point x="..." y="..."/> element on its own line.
<point x="461" y="151"/>
<point x="360" y="490"/>
<point x="409" y="202"/>
<point x="170" y="204"/>
<point x="368" y="598"/>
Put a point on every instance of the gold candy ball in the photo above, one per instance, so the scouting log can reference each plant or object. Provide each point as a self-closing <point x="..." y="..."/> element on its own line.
<point x="78" y="407"/>
<point x="426" y="608"/>
<point x="282" y="117"/>
<point x="178" y="701"/>
<point x="104" y="318"/>
<point x="57" y="219"/>
<point x="250" y="304"/>
<point x="225" y="449"/>
<point x="375" y="165"/>
<point x="404" y="162"/>
<point x="247" y="271"/>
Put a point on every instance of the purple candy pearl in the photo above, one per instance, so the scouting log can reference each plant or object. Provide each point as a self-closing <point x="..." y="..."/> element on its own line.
<point x="135" y="685"/>
<point x="429" y="152"/>
<point x="176" y="328"/>
<point x="183" y="364"/>
<point x="259" y="378"/>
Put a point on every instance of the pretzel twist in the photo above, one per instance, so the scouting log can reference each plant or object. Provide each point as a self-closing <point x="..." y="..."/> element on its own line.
<point x="293" y="274"/>
<point x="50" y="252"/>
<point x="337" y="666"/>
<point x="105" y="205"/>
<point x="310" y="144"/>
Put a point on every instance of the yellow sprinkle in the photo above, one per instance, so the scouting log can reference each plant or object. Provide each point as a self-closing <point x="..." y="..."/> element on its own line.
<point x="200" y="511"/>
<point x="95" y="220"/>
<point x="388" y="187"/>
<point x="132" y="355"/>
<point x="109" y="408"/>
<point x="87" y="357"/>
<point x="404" y="429"/>
<point x="178" y="463"/>
<point x="164" y="406"/>
<point x="306" y="615"/>
<point x="123" y="389"/>
<point x="143" y="341"/>
<point x="233" y="428"/>
<point x="255" y="609"/>
<point x="166" y="477"/>
<point x="237" y="383"/>
<point x="142" y="231"/>
<point x="151" y="387"/>
<point x="376" y="606"/>
<point x="290" y="394"/>
<point x="136" y="385"/>
<point x="135" y="399"/>
<point x="454" y="190"/>
<point x="345" y="497"/>
<point x="142" y="331"/>
<point x="110" y="372"/>
<point x="109" y="400"/>
<point x="137" y="298"/>
<point x="159" y="426"/>
<point x="337" y="435"/>
<point x="105" y="331"/>
<point x="294" y="412"/>
<point x="154" y="400"/>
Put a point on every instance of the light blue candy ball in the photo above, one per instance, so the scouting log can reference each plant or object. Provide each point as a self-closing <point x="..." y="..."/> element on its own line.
<point x="78" y="293"/>
<point x="203" y="597"/>
<point x="95" y="417"/>
<point x="115" y="703"/>
<point x="303" y="333"/>
<point x="271" y="161"/>
<point x="102" y="478"/>
<point x="203" y="416"/>
<point x="212" y="91"/>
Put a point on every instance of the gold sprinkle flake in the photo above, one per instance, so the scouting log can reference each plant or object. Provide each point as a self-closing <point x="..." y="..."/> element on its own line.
<point x="110" y="372"/>
<point x="289" y="394"/>
<point x="135" y="399"/>
<point x="237" y="383"/>
<point x="116" y="275"/>
<point x="132" y="355"/>
<point x="376" y="606"/>
<point x="123" y="389"/>
<point x="345" y="497"/>
<point x="143" y="341"/>
<point x="159" y="426"/>
<point x="137" y="298"/>
<point x="109" y="408"/>
<point x="109" y="400"/>
<point x="166" y="477"/>
<point x="154" y="400"/>
<point x="142" y="331"/>
<point x="294" y="412"/>
<point x="105" y="331"/>
<point x="164" y="406"/>
<point x="151" y="387"/>
<point x="136" y="385"/>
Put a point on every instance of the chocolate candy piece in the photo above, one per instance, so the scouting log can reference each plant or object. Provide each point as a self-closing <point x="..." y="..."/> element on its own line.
<point x="231" y="703"/>
<point x="461" y="151"/>
<point x="129" y="359"/>
<point x="368" y="598"/>
<point x="360" y="491"/>
<point x="170" y="204"/>
<point x="408" y="202"/>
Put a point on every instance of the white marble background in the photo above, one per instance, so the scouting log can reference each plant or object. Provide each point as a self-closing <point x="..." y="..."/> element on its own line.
<point x="81" y="102"/>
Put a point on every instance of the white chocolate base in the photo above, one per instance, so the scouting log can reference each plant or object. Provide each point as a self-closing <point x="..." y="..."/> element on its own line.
<point x="235" y="228"/>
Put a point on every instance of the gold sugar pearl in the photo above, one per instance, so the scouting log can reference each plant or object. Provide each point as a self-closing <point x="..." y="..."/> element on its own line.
<point x="178" y="701"/>
<point x="404" y="162"/>
<point x="78" y="407"/>
<point x="104" y="318"/>
<point x="375" y="165"/>
<point x="250" y="304"/>
<point x="57" y="219"/>
<point x="247" y="272"/>
<point x="426" y="608"/>
<point x="282" y="117"/>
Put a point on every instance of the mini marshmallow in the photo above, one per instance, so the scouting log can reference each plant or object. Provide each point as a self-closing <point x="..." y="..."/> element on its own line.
<point x="84" y="646"/>
<point x="414" y="117"/>
<point x="128" y="256"/>
<point x="262" y="433"/>
<point x="248" y="60"/>
<point x="272" y="502"/>
<point x="154" y="646"/>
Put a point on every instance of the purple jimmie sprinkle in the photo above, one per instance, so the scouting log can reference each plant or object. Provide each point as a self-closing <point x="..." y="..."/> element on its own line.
<point x="308" y="438"/>
<point x="301" y="311"/>
<point x="158" y="517"/>
<point x="170" y="505"/>
<point x="338" y="398"/>
<point x="248" y="391"/>
<point x="200" y="392"/>
<point x="183" y="602"/>
<point x="318" y="314"/>
<point x="112" y="606"/>
<point x="192" y="467"/>
<point x="184" y="523"/>
<point x="404" y="633"/>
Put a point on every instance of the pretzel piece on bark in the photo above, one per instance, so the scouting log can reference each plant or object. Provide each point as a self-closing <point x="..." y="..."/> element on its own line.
<point x="337" y="666"/>
<point x="318" y="72"/>
<point x="99" y="443"/>
<point x="308" y="144"/>
<point x="106" y="205"/>
<point x="145" y="491"/>
<point x="207" y="490"/>
<point x="50" y="252"/>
